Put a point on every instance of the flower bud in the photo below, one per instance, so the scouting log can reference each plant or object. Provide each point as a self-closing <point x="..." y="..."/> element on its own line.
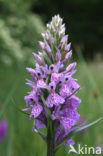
<point x="32" y="73"/>
<point x="47" y="48"/>
<point x="58" y="55"/>
<point x="41" y="44"/>
<point x="38" y="59"/>
<point x="67" y="47"/>
<point x="68" y="55"/>
<point x="71" y="67"/>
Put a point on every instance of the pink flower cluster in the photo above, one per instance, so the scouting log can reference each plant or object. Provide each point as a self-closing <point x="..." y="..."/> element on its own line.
<point x="53" y="88"/>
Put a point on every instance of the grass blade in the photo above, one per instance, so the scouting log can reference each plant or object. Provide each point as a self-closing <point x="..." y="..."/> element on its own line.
<point x="13" y="88"/>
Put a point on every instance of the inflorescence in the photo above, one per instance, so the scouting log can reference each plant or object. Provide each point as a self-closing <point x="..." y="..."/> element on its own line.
<point x="53" y="89"/>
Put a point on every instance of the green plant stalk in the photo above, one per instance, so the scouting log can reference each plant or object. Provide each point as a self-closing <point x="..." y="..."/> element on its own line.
<point x="50" y="138"/>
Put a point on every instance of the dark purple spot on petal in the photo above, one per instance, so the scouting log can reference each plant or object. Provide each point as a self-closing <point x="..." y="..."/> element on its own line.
<point x="38" y="74"/>
<point x="32" y="99"/>
<point x="52" y="68"/>
<point x="51" y="87"/>
<point x="66" y="79"/>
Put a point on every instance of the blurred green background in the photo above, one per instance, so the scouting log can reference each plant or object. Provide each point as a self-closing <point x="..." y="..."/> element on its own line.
<point x="21" y="22"/>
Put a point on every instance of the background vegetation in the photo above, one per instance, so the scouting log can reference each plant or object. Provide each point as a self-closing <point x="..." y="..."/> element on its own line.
<point x="21" y="23"/>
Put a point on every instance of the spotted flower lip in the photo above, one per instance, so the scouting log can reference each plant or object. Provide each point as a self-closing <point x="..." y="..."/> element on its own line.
<point x="54" y="99"/>
<point x="73" y="85"/>
<point x="67" y="123"/>
<point x="53" y="88"/>
<point x="73" y="102"/>
<point x="31" y="98"/>
<point x="41" y="84"/>
<point x="56" y="77"/>
<point x="36" y="110"/>
<point x="52" y="68"/>
<point x="65" y="91"/>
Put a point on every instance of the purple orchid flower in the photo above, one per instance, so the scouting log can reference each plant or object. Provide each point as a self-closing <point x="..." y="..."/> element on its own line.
<point x="52" y="101"/>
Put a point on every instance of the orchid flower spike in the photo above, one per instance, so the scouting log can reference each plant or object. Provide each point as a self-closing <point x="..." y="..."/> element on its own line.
<point x="52" y="101"/>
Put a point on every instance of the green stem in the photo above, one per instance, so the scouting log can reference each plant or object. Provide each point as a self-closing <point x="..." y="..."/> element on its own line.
<point x="50" y="139"/>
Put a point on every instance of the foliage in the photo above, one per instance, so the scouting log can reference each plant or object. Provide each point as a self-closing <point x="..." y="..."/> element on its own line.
<point x="19" y="32"/>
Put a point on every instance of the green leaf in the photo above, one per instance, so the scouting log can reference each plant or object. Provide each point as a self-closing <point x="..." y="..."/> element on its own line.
<point x="88" y="125"/>
<point x="44" y="137"/>
<point x="73" y="93"/>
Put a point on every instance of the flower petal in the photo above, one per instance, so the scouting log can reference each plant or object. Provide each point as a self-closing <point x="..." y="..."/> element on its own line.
<point x="67" y="123"/>
<point x="41" y="84"/>
<point x="64" y="91"/>
<point x="69" y="142"/>
<point x="54" y="99"/>
<point x="36" y="110"/>
<point x="38" y="124"/>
